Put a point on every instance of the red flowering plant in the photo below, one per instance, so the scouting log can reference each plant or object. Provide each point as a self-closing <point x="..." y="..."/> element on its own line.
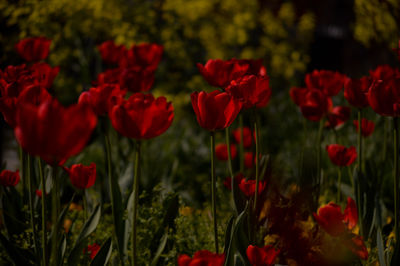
<point x="337" y="117"/>
<point x="221" y="151"/>
<point x="367" y="127"/>
<point x="202" y="257"/>
<point x="262" y="256"/>
<point x="9" y="178"/>
<point x="33" y="49"/>
<point x="338" y="224"/>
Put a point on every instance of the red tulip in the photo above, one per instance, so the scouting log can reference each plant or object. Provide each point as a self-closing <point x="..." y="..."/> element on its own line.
<point x="264" y="256"/>
<point x="249" y="159"/>
<point x="82" y="177"/>
<point x="254" y="91"/>
<point x="228" y="180"/>
<point x="111" y="53"/>
<point x="333" y="221"/>
<point x="355" y="91"/>
<point x="136" y="79"/>
<point x="202" y="257"/>
<point x="215" y="110"/>
<point x="314" y="104"/>
<point x="338" y="116"/>
<point x="340" y="155"/>
<point x="298" y="95"/>
<point x="92" y="250"/>
<point x="221" y="151"/>
<point x="102" y="98"/>
<point x="33" y="49"/>
<point x="357" y="246"/>
<point x="32" y="94"/>
<point x="52" y="131"/>
<point x="220" y="73"/>
<point x="384" y="97"/>
<point x="367" y="127"/>
<point x="142" y="116"/>
<point x="249" y="187"/>
<point x="255" y="66"/>
<point x="247" y="136"/>
<point x="145" y="55"/>
<point x="329" y="82"/>
<point x="9" y="178"/>
<point x="44" y="74"/>
<point x="384" y="72"/>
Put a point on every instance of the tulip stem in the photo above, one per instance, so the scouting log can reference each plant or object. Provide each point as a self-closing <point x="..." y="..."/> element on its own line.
<point x="112" y="189"/>
<point x="54" y="217"/>
<point x="135" y="202"/>
<point x="228" y="145"/>
<point x="319" y="140"/>
<point x="360" y="169"/>
<point x="85" y="206"/>
<point x="241" y="144"/>
<point x="396" y="180"/>
<point x="257" y="165"/>
<point x="213" y="192"/>
<point x="30" y="198"/>
<point x="22" y="170"/>
<point x="44" y="229"/>
<point x="339" y="184"/>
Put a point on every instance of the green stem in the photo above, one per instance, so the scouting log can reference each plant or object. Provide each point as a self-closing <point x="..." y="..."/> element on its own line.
<point x="44" y="207"/>
<point x="213" y="192"/>
<point x="241" y="144"/>
<point x="318" y="181"/>
<point x="257" y="165"/>
<point x="228" y="146"/>
<point x="135" y="202"/>
<point x="54" y="217"/>
<point x="30" y="198"/>
<point x="395" y="176"/>
<point x="359" y="165"/>
<point x="85" y="206"/>
<point x="339" y="185"/>
<point x="22" y="170"/>
<point x="111" y="184"/>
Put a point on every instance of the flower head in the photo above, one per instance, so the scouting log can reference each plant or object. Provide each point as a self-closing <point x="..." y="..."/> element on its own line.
<point x="367" y="127"/>
<point x="262" y="256"/>
<point x="340" y="155"/>
<point x="82" y="177"/>
<point x="221" y="151"/>
<point x="33" y="49"/>
<point x="9" y="178"/>
<point x="202" y="257"/>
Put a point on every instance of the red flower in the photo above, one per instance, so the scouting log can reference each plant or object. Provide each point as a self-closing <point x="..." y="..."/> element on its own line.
<point x="367" y="127"/>
<point x="228" y="180"/>
<point x="249" y="187"/>
<point x="215" y="110"/>
<point x="33" y="94"/>
<point x="340" y="155"/>
<point x="44" y="74"/>
<point x="338" y="116"/>
<point x="220" y="73"/>
<point x="255" y="66"/>
<point x="81" y="176"/>
<point x="142" y="116"/>
<point x="111" y="53"/>
<point x="357" y="246"/>
<point x="102" y="98"/>
<point x="314" y="104"/>
<point x="247" y="136"/>
<point x="264" y="256"/>
<point x="33" y="49"/>
<point x="329" y="82"/>
<point x="221" y="151"/>
<point x="384" y="97"/>
<point x="355" y="91"/>
<point x="249" y="159"/>
<point x="384" y="72"/>
<point x="52" y="131"/>
<point x="9" y="178"/>
<point x="333" y="221"/>
<point x="145" y="55"/>
<point x="136" y="79"/>
<point x="92" y="250"/>
<point x="252" y="90"/>
<point x="202" y="257"/>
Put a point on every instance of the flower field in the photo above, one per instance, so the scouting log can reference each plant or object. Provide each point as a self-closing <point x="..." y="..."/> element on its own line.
<point x="170" y="134"/>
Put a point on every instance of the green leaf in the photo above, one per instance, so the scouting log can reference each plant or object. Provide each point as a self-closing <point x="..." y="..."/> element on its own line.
<point x="103" y="255"/>
<point x="88" y="228"/>
<point x="63" y="247"/>
<point x="228" y="234"/>
<point x="238" y="197"/>
<point x="381" y="252"/>
<point x="161" y="247"/>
